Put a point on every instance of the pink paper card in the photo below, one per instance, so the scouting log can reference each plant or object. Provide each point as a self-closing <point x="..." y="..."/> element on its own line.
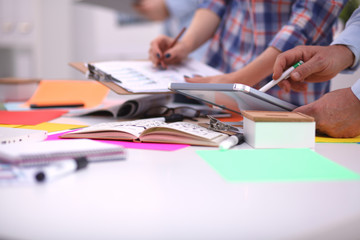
<point x="32" y="117"/>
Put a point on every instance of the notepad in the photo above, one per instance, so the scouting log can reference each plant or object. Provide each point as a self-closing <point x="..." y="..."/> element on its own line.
<point x="27" y="154"/>
<point x="18" y="135"/>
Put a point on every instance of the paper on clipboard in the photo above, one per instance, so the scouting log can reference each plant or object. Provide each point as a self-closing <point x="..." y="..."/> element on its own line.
<point x="136" y="77"/>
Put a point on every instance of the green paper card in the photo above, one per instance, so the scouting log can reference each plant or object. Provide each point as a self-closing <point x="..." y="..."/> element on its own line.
<point x="275" y="165"/>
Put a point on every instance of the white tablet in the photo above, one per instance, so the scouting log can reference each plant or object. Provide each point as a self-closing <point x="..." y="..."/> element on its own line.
<point x="233" y="97"/>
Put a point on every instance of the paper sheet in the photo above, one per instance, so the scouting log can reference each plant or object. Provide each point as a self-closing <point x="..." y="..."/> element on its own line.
<point x="29" y="117"/>
<point x="142" y="76"/>
<point x="256" y="165"/>
<point x="337" y="140"/>
<point x="52" y="127"/>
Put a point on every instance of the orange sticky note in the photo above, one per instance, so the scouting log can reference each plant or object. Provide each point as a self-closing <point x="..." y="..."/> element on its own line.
<point x="90" y="93"/>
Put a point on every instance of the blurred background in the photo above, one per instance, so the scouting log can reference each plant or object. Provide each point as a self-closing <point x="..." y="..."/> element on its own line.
<point x="38" y="38"/>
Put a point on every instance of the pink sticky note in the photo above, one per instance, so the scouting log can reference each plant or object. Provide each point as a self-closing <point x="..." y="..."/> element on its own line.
<point x="134" y="145"/>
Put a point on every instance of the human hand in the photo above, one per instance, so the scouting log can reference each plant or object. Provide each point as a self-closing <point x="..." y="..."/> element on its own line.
<point x="154" y="10"/>
<point x="162" y="54"/>
<point x="321" y="64"/>
<point x="337" y="113"/>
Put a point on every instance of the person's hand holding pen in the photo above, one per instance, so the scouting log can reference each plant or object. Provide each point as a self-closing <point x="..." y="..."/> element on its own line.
<point x="336" y="113"/>
<point x="320" y="65"/>
<point x="165" y="50"/>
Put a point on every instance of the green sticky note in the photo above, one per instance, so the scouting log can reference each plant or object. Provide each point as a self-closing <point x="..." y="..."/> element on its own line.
<point x="275" y="165"/>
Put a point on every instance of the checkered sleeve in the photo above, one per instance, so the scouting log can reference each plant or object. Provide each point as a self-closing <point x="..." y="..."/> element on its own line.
<point x="217" y="6"/>
<point x="310" y="23"/>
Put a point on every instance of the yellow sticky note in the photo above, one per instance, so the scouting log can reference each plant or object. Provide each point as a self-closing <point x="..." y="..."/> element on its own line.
<point x="337" y="140"/>
<point x="52" y="127"/>
<point x="9" y="125"/>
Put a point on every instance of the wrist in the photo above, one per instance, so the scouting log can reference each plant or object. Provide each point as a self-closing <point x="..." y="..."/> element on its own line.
<point x="187" y="46"/>
<point x="347" y="57"/>
<point x="242" y="76"/>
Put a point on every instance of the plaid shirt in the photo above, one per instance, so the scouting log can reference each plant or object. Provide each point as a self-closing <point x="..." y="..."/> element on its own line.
<point x="248" y="27"/>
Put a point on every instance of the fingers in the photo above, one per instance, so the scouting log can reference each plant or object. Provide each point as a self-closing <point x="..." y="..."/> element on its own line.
<point x="157" y="48"/>
<point x="288" y="85"/>
<point x="285" y="84"/>
<point x="298" y="86"/>
<point x="161" y="55"/>
<point x="285" y="60"/>
<point x="306" y="109"/>
<point x="313" y="66"/>
<point x="317" y="66"/>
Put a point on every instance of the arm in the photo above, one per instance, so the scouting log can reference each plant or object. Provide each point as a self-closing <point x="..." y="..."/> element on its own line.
<point x="251" y="74"/>
<point x="154" y="10"/>
<point x="322" y="63"/>
<point x="350" y="36"/>
<point x="183" y="8"/>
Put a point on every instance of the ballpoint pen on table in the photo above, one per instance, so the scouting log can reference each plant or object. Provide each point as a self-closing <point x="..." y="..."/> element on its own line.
<point x="283" y="76"/>
<point x="232" y="141"/>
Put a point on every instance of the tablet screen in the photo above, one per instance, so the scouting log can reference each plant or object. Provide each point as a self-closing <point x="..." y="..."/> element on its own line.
<point x="233" y="97"/>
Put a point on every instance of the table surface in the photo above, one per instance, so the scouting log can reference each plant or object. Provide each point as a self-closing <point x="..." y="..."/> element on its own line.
<point x="177" y="195"/>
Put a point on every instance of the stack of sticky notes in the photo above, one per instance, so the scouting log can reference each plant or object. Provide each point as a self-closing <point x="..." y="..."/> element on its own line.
<point x="271" y="129"/>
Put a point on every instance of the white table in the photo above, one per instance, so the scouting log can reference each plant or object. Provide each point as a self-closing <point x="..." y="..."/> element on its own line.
<point x="177" y="195"/>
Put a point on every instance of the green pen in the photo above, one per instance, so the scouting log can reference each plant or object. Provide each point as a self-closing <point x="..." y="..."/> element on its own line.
<point x="283" y="76"/>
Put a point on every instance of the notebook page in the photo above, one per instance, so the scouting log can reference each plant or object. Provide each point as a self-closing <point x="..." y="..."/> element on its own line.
<point x="196" y="130"/>
<point x="133" y="127"/>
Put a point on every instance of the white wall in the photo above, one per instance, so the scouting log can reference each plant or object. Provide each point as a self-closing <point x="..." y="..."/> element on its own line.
<point x="344" y="80"/>
<point x="62" y="32"/>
